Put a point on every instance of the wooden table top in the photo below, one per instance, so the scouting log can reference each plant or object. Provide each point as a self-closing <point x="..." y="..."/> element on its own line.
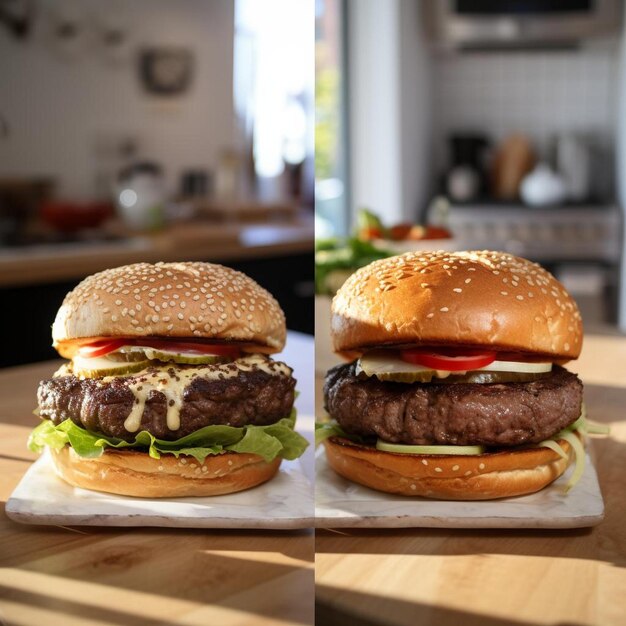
<point x="443" y="577"/>
<point x="189" y="241"/>
<point x="144" y="576"/>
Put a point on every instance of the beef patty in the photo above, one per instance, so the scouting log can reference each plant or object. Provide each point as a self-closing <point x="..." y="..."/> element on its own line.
<point x="253" y="397"/>
<point x="506" y="414"/>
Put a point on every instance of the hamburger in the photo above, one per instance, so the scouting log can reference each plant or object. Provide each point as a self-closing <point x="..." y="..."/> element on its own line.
<point x="455" y="387"/>
<point x="170" y="389"/>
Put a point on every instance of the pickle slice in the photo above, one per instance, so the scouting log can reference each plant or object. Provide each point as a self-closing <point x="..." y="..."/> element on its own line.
<point x="477" y="376"/>
<point x="401" y="448"/>
<point x="486" y="378"/>
<point x="424" y="376"/>
<point x="99" y="367"/>
<point x="186" y="358"/>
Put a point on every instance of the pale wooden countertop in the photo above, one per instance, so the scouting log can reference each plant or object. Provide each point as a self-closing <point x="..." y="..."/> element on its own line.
<point x="484" y="577"/>
<point x="183" y="242"/>
<point x="144" y="576"/>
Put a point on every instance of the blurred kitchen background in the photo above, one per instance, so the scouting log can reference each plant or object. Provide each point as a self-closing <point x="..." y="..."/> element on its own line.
<point x="152" y="130"/>
<point x="472" y="124"/>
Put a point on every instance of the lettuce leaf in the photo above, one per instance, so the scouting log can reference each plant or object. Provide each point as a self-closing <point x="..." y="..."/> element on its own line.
<point x="269" y="442"/>
<point x="325" y="430"/>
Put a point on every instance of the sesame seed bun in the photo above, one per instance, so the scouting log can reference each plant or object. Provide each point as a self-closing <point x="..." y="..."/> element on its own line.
<point x="134" y="473"/>
<point x="178" y="300"/>
<point x="480" y="477"/>
<point x="473" y="299"/>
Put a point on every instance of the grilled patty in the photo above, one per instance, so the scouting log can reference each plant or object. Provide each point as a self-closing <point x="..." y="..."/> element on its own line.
<point x="506" y="414"/>
<point x="250" y="398"/>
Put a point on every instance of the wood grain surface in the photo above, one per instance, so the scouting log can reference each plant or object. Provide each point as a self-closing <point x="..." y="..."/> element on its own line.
<point x="452" y="577"/>
<point x="82" y="576"/>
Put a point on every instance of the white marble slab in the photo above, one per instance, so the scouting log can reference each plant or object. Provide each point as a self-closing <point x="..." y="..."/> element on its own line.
<point x="341" y="503"/>
<point x="285" y="502"/>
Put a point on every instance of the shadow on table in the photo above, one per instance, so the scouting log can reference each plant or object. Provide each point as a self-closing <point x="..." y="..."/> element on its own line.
<point x="182" y="581"/>
<point x="376" y="610"/>
<point x="48" y="540"/>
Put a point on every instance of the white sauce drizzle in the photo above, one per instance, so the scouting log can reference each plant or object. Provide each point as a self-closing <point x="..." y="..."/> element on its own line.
<point x="171" y="381"/>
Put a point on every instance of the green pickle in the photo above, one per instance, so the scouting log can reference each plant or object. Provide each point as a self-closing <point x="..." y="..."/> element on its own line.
<point x="401" y="448"/>
<point x="115" y="369"/>
<point x="185" y="358"/>
<point x="481" y="377"/>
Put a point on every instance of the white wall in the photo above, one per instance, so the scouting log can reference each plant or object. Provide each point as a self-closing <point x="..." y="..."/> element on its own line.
<point x="416" y="111"/>
<point x="538" y="93"/>
<point x="388" y="108"/>
<point x="57" y="110"/>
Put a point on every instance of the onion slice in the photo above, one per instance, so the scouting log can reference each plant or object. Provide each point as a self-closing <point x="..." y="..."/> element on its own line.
<point x="579" y="454"/>
<point x="553" y="445"/>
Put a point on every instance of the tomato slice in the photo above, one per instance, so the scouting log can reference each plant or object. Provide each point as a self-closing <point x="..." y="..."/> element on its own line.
<point x="103" y="347"/>
<point x="100" y="348"/>
<point x="451" y="361"/>
<point x="173" y="345"/>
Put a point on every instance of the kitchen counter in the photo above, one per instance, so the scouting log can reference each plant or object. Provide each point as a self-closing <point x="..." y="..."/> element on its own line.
<point x="182" y="242"/>
<point x="146" y="576"/>
<point x="444" y="577"/>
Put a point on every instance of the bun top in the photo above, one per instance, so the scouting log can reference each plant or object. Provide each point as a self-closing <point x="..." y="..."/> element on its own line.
<point x="190" y="300"/>
<point x="483" y="299"/>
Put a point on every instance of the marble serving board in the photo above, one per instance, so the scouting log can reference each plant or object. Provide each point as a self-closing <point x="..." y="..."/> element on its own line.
<point x="341" y="503"/>
<point x="285" y="502"/>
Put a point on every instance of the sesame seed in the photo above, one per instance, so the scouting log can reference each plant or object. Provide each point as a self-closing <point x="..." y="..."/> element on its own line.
<point x="520" y="297"/>
<point x="438" y="469"/>
<point x="457" y="290"/>
<point x="481" y="466"/>
<point x="444" y="309"/>
<point x="424" y="462"/>
<point x="468" y="281"/>
<point x="413" y="486"/>
<point x="181" y="316"/>
<point x="455" y="468"/>
<point x="430" y="315"/>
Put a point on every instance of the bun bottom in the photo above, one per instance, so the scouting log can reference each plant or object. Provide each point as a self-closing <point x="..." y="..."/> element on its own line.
<point x="132" y="473"/>
<point x="480" y="477"/>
